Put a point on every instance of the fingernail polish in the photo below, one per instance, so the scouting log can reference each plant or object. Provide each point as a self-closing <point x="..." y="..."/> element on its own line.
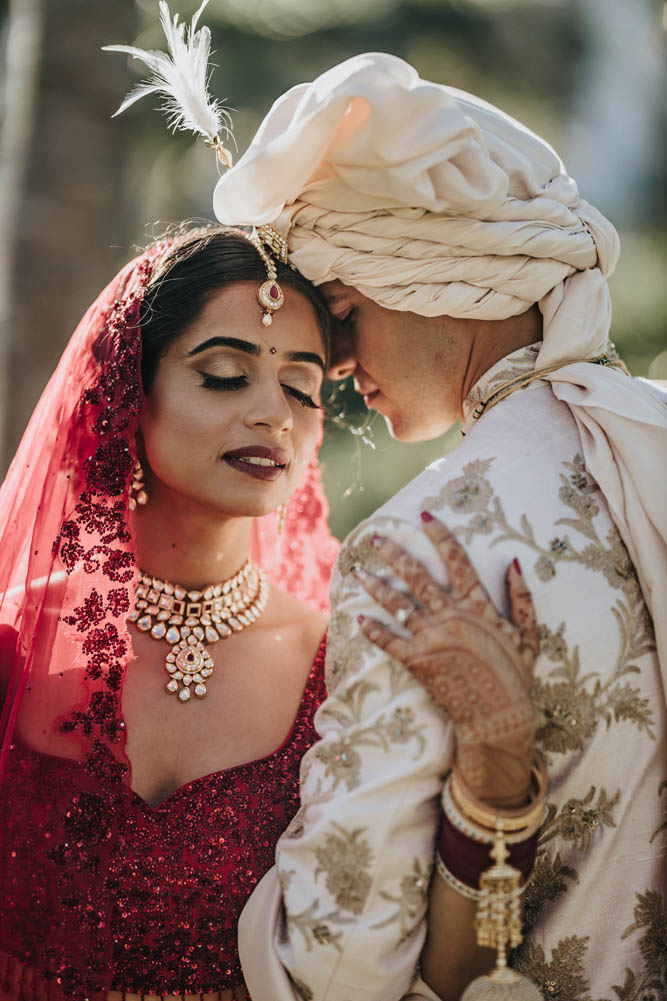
<point x="426" y="516"/>
<point x="361" y="618"/>
<point x="516" y="565"/>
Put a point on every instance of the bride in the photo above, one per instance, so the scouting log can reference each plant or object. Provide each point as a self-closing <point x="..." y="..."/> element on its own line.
<point x="162" y="649"/>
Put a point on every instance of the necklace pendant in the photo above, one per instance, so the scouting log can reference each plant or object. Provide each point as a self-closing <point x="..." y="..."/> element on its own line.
<point x="190" y="664"/>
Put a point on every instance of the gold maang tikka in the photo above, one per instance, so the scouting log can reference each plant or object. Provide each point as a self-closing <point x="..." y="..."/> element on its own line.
<point x="269" y="295"/>
<point x="192" y="620"/>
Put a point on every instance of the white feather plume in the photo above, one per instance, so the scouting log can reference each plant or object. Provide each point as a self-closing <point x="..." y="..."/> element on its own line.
<point x="181" y="77"/>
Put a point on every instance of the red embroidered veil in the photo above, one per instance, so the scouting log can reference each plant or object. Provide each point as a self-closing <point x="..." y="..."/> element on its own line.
<point x="67" y="567"/>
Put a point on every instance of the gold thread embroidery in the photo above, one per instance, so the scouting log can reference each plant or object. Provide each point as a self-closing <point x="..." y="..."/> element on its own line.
<point x="346" y="858"/>
<point x="650" y="915"/>
<point x="579" y="819"/>
<point x="562" y="979"/>
<point x="411" y="901"/>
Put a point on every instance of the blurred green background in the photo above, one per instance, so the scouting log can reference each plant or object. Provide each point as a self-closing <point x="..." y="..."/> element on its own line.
<point x="80" y="192"/>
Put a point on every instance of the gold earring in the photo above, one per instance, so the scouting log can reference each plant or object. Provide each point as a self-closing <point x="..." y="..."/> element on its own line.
<point x="281" y="513"/>
<point x="138" y="492"/>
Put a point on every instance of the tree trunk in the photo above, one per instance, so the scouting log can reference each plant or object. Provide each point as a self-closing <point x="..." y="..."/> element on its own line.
<point x="63" y="215"/>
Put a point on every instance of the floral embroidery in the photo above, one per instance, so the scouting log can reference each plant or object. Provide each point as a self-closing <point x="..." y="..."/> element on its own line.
<point x="468" y="493"/>
<point x="546" y="884"/>
<point x="341" y="758"/>
<point x="349" y="656"/>
<point x="316" y="929"/>
<point x="358" y="553"/>
<point x="411" y="901"/>
<point x="575" y="823"/>
<point x="571" y="707"/>
<point x="650" y="917"/>
<point x="341" y="762"/>
<point x="578" y="819"/>
<point x="562" y="979"/>
<point x="346" y="858"/>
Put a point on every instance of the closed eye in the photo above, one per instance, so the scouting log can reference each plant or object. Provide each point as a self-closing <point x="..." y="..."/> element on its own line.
<point x="303" y="398"/>
<point x="241" y="381"/>
<point x="215" y="382"/>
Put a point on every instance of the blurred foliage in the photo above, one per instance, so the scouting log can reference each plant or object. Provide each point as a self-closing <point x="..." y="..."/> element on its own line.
<point x="589" y="75"/>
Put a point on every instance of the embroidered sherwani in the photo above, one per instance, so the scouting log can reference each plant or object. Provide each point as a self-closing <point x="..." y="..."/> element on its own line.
<point x="344" y="911"/>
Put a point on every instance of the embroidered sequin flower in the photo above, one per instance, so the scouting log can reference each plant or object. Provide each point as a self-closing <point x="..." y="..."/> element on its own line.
<point x="579" y="819"/>
<point x="469" y="492"/>
<point x="545" y="568"/>
<point x="400" y="727"/>
<point x="341" y="761"/>
<point x="410" y="901"/>
<point x="562" y="979"/>
<point x="346" y="858"/>
<point x="567" y="713"/>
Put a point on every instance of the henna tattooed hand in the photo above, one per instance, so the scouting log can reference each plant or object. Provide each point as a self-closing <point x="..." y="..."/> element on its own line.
<point x="474" y="663"/>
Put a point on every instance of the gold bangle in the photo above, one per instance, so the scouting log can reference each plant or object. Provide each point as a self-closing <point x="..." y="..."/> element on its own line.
<point x="527" y="819"/>
<point x="482" y="835"/>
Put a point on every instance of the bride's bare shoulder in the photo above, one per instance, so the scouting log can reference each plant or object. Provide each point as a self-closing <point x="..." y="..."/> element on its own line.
<point x="308" y="621"/>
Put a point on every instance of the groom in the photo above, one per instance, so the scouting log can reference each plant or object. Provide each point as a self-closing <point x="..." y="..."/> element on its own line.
<point x="467" y="278"/>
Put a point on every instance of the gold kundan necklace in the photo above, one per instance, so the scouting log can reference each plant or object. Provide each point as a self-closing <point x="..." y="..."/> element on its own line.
<point x="190" y="620"/>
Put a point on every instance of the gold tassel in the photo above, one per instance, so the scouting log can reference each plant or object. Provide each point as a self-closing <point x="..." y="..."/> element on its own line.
<point x="498" y="926"/>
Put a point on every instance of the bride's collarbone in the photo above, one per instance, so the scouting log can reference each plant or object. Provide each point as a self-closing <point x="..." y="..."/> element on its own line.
<point x="251" y="702"/>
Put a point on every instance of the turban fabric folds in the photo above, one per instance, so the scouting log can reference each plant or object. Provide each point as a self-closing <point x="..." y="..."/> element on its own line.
<point x="424" y="198"/>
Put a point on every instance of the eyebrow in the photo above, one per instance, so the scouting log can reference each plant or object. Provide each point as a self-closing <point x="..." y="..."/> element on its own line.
<point x="254" y="349"/>
<point x="308" y="356"/>
<point x="227" y="342"/>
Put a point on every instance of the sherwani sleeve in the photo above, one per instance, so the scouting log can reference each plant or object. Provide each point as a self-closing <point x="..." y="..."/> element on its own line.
<point x="342" y="915"/>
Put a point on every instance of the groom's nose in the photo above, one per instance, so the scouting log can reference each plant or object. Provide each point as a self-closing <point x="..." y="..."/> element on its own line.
<point x="343" y="359"/>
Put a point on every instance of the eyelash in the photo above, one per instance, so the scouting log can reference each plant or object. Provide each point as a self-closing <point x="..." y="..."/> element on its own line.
<point x="240" y="381"/>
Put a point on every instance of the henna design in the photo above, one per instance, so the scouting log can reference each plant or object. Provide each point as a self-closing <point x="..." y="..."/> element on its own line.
<point x="475" y="664"/>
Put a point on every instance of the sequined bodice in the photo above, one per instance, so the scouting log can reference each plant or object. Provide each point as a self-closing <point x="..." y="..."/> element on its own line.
<point x="180" y="873"/>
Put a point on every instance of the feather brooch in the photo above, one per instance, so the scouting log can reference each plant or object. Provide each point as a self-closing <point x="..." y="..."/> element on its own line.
<point x="181" y="77"/>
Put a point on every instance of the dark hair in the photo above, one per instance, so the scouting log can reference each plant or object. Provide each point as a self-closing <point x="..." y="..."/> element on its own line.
<point x="197" y="263"/>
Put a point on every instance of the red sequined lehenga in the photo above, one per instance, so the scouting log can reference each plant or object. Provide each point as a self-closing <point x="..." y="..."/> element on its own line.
<point x="98" y="890"/>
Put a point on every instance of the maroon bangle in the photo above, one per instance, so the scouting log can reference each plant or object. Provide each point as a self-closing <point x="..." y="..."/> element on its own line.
<point x="467" y="859"/>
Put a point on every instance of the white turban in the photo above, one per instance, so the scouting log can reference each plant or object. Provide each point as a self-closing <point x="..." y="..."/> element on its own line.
<point x="422" y="197"/>
<point x="427" y="199"/>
